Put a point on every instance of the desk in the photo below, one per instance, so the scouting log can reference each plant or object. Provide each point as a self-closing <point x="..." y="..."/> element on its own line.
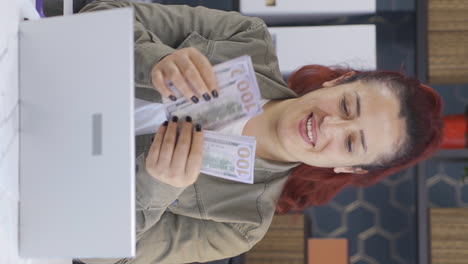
<point x="11" y="13"/>
<point x="9" y="145"/>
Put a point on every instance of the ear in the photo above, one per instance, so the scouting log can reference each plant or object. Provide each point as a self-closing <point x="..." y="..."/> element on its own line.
<point x="334" y="82"/>
<point x="349" y="170"/>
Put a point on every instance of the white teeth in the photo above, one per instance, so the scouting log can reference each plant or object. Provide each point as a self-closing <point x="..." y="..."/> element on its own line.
<point x="309" y="129"/>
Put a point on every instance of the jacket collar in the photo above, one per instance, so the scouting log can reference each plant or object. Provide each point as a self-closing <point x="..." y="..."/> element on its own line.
<point x="273" y="90"/>
<point x="274" y="166"/>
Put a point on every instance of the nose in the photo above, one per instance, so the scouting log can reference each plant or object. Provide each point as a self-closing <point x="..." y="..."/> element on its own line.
<point x="334" y="125"/>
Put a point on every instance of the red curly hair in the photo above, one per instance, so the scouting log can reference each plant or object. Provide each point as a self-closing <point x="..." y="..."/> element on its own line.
<point x="421" y="107"/>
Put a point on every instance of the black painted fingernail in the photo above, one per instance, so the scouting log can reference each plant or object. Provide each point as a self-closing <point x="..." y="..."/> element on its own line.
<point x="173" y="98"/>
<point x="206" y="96"/>
<point x="198" y="127"/>
<point x="188" y="118"/>
<point x="175" y="119"/>
<point x="152" y="139"/>
<point x="194" y="99"/>
<point x="214" y="93"/>
<point x="165" y="123"/>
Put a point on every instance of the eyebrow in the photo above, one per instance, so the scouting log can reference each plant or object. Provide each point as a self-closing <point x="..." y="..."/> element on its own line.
<point x="361" y="132"/>
<point x="363" y="140"/>
<point x="358" y="104"/>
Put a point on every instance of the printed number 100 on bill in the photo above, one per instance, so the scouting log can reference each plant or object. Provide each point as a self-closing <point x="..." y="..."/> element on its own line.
<point x="229" y="157"/>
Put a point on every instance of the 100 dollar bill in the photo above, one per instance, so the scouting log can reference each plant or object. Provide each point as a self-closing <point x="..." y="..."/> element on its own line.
<point x="239" y="96"/>
<point x="229" y="156"/>
<point x="230" y="69"/>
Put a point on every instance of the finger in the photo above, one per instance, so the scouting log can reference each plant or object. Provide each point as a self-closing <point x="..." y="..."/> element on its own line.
<point x="161" y="86"/>
<point x="154" y="151"/>
<point x="195" y="157"/>
<point x="206" y="71"/>
<point x="179" y="159"/>
<point x="155" y="148"/>
<point x="173" y="74"/>
<point x="192" y="74"/>
<point x="168" y="144"/>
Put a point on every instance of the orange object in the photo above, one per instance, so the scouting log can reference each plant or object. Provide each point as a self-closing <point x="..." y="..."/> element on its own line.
<point x="327" y="251"/>
<point x="455" y="132"/>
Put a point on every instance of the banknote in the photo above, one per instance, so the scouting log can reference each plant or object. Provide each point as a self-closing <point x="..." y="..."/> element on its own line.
<point x="226" y="156"/>
<point x="239" y="96"/>
<point x="229" y="156"/>
<point x="227" y="70"/>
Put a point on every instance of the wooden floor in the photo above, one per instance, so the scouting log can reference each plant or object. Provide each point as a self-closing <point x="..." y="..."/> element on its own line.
<point x="283" y="243"/>
<point x="448" y="41"/>
<point x="449" y="235"/>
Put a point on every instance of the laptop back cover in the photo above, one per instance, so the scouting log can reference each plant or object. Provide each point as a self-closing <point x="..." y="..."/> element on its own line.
<point x="77" y="163"/>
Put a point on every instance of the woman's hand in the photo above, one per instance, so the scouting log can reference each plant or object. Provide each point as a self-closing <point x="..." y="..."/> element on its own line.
<point x="185" y="68"/>
<point x="176" y="160"/>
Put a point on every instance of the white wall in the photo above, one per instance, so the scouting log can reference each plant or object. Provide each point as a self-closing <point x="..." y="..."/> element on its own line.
<point x="351" y="46"/>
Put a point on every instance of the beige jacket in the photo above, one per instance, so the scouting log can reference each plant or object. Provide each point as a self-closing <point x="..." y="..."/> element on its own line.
<point x="213" y="218"/>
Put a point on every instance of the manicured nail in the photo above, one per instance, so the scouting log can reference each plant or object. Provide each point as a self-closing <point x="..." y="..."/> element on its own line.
<point x="152" y="139"/>
<point x="206" y="96"/>
<point x="188" y="118"/>
<point x="214" y="93"/>
<point x="198" y="127"/>
<point x="175" y="119"/>
<point x="173" y="98"/>
<point x="165" y="123"/>
<point x="194" y="99"/>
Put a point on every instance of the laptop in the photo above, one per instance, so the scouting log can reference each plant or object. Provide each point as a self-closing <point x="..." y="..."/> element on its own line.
<point x="77" y="153"/>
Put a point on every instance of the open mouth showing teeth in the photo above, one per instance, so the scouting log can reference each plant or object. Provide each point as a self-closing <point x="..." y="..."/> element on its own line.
<point x="309" y="129"/>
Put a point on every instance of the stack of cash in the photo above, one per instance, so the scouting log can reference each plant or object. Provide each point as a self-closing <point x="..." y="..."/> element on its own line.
<point x="226" y="156"/>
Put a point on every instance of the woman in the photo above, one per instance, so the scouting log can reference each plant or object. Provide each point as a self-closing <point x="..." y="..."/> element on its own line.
<point x="331" y="128"/>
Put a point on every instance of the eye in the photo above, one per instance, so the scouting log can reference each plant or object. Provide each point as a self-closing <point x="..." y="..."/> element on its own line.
<point x="344" y="105"/>
<point x="349" y="144"/>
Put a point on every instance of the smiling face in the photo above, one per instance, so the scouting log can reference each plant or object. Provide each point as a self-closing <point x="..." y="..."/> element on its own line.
<point x="349" y="124"/>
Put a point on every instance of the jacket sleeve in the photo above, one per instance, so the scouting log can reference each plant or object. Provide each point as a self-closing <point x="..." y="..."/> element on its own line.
<point x="160" y="29"/>
<point x="164" y="237"/>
